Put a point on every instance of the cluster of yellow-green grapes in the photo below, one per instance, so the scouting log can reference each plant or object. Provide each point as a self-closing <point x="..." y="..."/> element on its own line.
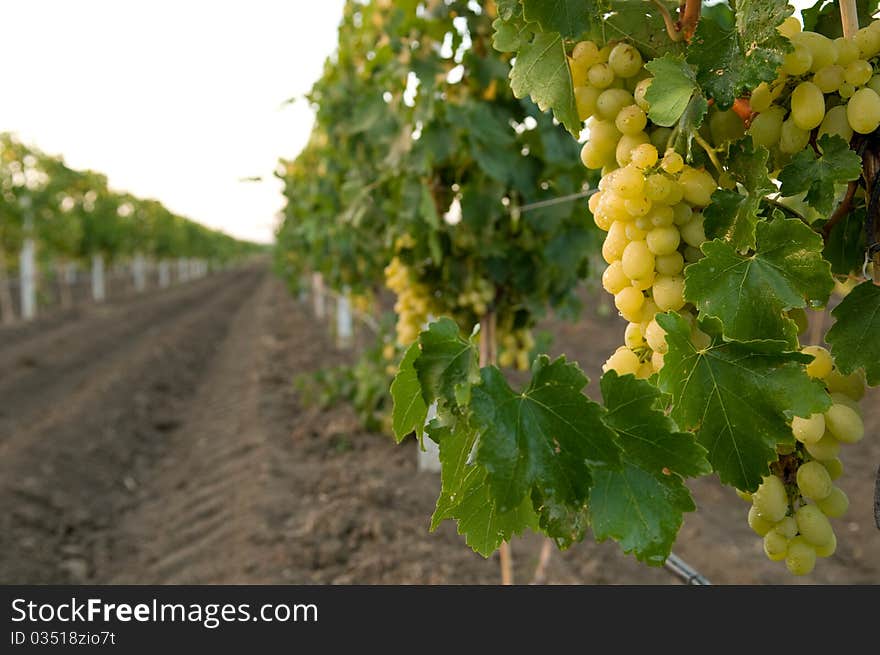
<point x="478" y="297"/>
<point x="792" y="506"/>
<point x="515" y="348"/>
<point x="413" y="301"/>
<point x="649" y="204"/>
<point x="829" y="85"/>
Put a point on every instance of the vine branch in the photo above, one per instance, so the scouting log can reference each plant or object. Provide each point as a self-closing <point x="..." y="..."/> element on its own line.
<point x="671" y="26"/>
<point x="842" y="209"/>
<point x="849" y="18"/>
<point x="690" y="16"/>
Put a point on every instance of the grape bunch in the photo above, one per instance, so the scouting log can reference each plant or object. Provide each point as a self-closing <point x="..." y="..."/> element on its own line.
<point x="650" y="206"/>
<point x="791" y="508"/>
<point x="414" y="303"/>
<point x="477" y="297"/>
<point x="515" y="348"/>
<point x="824" y="86"/>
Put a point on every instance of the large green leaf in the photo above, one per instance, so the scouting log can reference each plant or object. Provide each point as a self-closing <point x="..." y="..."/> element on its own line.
<point x="817" y="175"/>
<point x="855" y="337"/>
<point x="732" y="60"/>
<point x="642" y="504"/>
<point x="733" y="215"/>
<point x="541" y="72"/>
<point x="673" y="85"/>
<point x="447" y="364"/>
<point x="738" y="397"/>
<point x="570" y="18"/>
<point x="550" y="436"/>
<point x="465" y="495"/>
<point x="409" y="411"/>
<point x="845" y="245"/>
<point x="751" y="293"/>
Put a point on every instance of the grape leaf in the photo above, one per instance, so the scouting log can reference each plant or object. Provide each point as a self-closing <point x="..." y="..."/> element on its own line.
<point x="550" y="435"/>
<point x="845" y="245"/>
<point x="689" y="123"/>
<point x="731" y="61"/>
<point x="447" y="362"/>
<point x="639" y="23"/>
<point x="410" y="410"/>
<point x="671" y="90"/>
<point x="750" y="293"/>
<point x="824" y="16"/>
<point x="565" y="524"/>
<point x="541" y="71"/>
<point x="465" y="497"/>
<point x="642" y="504"/>
<point x="509" y="36"/>
<point x="570" y="18"/>
<point x="818" y="175"/>
<point x="855" y="336"/>
<point x="733" y="215"/>
<point x="737" y="397"/>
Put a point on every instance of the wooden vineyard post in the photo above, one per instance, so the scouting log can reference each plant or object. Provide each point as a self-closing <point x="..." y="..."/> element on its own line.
<point x="318" y="302"/>
<point x="139" y="273"/>
<point x="28" y="274"/>
<point x="164" y="274"/>
<point x="7" y="311"/>
<point x="344" y="326"/>
<point x="489" y="357"/>
<point x="99" y="292"/>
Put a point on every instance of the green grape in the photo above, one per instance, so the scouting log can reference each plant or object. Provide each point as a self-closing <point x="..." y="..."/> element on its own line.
<point x="585" y="98"/>
<point x="846" y="90"/>
<point x="766" y="127"/>
<point x="836" y="123"/>
<point x="682" y="213"/>
<point x="759" y="524"/>
<point x="663" y="240"/>
<point x="661" y="216"/>
<point x="635" y="233"/>
<point x="636" y="207"/>
<point x="858" y="72"/>
<point x="604" y="134"/>
<point x="787" y="527"/>
<point x="671" y="264"/>
<point x="660" y="137"/>
<point x="813" y="481"/>
<point x="692" y="233"/>
<point x="800" y="558"/>
<point x="629" y="182"/>
<point x="874" y="84"/>
<point x="625" y="60"/>
<point x="813" y="525"/>
<point x="624" y="361"/>
<point x="626" y="145"/>
<point x="585" y="54"/>
<point x="863" y="111"/>
<point x="672" y="162"/>
<point x="697" y="185"/>
<point x="771" y="499"/>
<point x="829" y="79"/>
<point x="692" y="254"/>
<point x="821" y="364"/>
<point x="826" y="448"/>
<point x="792" y="139"/>
<point x="593" y="157"/>
<point x="725" y="126"/>
<point x="657" y="186"/>
<point x="834" y="468"/>
<point x="820" y="46"/>
<point x="638" y="260"/>
<point x="847" y="51"/>
<point x="632" y="336"/>
<point x="600" y="76"/>
<point x="611" y="101"/>
<point x="761" y="98"/>
<point x="868" y="42"/>
<point x="789" y="27"/>
<point x="844" y="423"/>
<point x="808" y="430"/>
<point x="639" y="93"/>
<point x="827" y="550"/>
<point x="613" y="279"/>
<point x="798" y="61"/>
<point x="656" y="338"/>
<point x="853" y="385"/>
<point x="615" y="242"/>
<point x="835" y="504"/>
<point x="775" y="546"/>
<point x="744" y="495"/>
<point x="669" y="292"/>
<point x="644" y="283"/>
<point x="629" y="301"/>
<point x="644" y="156"/>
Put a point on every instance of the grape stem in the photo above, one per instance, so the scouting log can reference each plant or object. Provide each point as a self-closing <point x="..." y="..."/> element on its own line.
<point x="671" y="26"/>
<point x="709" y="151"/>
<point x="489" y="357"/>
<point x="842" y="209"/>
<point x="690" y="16"/>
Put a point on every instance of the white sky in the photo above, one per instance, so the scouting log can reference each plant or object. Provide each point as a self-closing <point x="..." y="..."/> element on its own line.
<point x="174" y="100"/>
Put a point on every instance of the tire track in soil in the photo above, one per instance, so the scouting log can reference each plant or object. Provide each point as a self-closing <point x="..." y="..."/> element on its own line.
<point x="103" y="408"/>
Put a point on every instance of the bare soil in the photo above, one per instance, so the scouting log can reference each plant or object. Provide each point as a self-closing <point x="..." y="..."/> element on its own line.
<point x="161" y="440"/>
